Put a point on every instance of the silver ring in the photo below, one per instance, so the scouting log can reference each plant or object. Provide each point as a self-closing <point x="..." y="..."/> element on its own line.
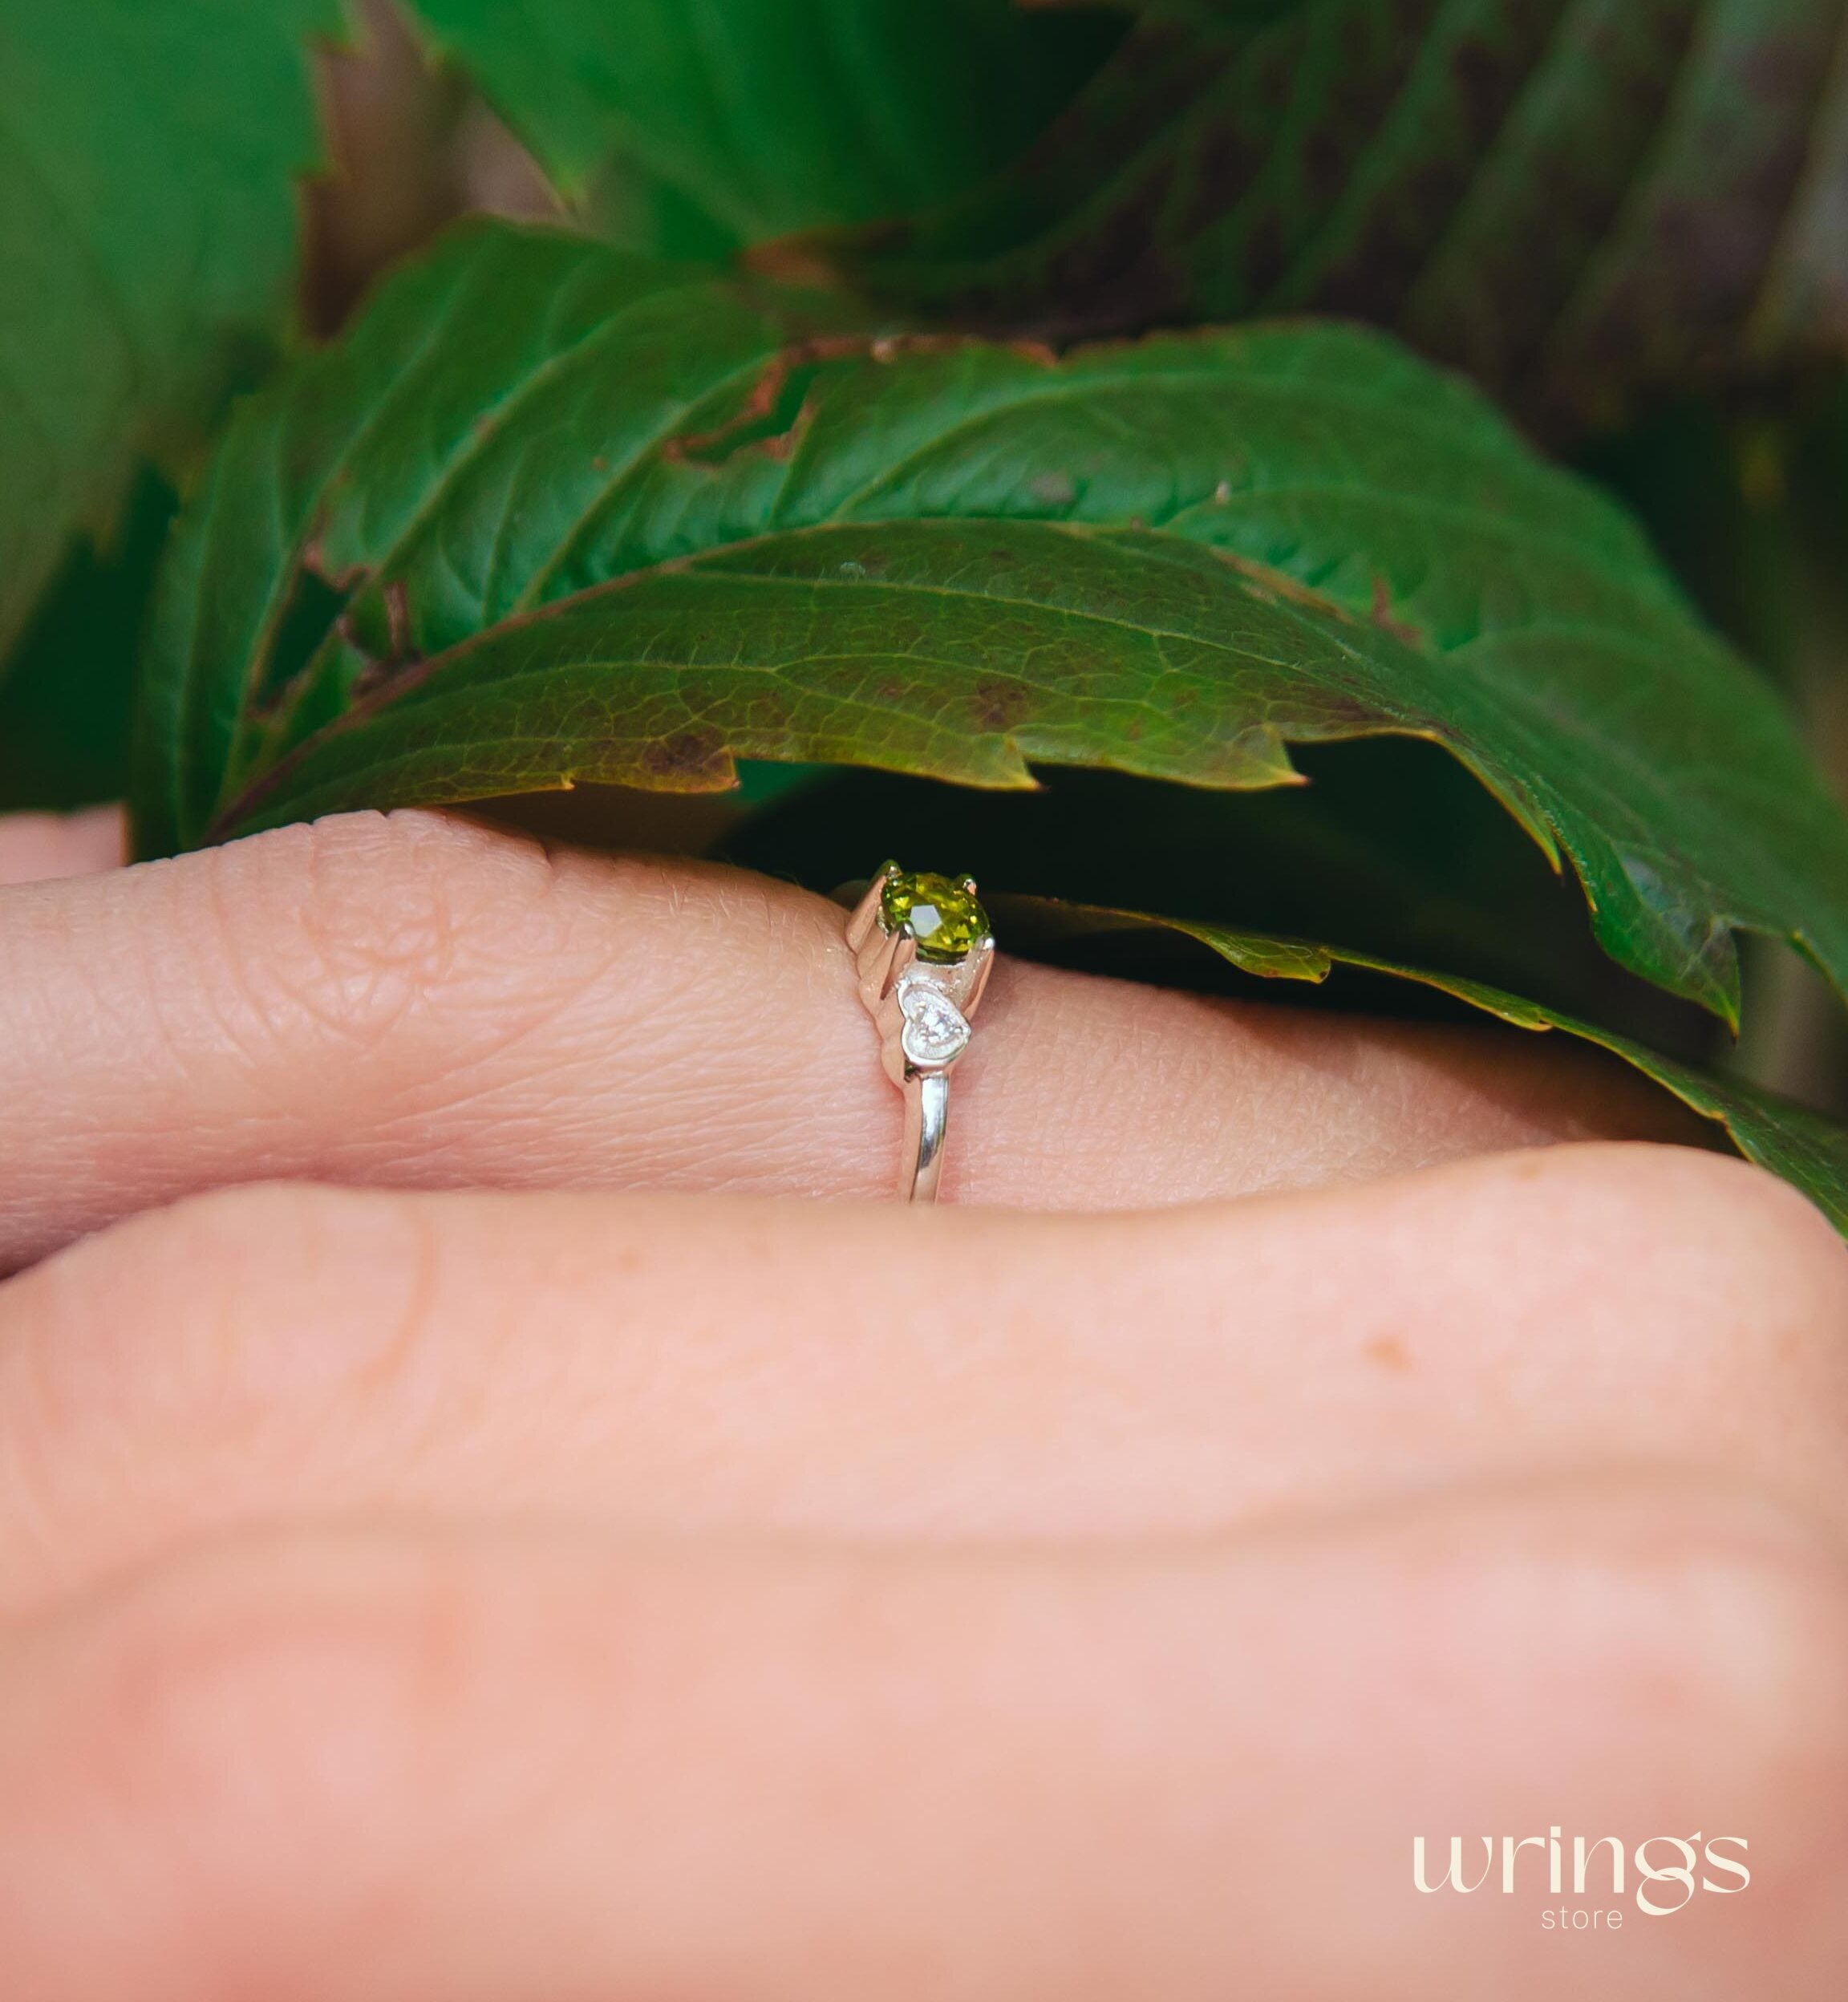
<point x="923" y="949"/>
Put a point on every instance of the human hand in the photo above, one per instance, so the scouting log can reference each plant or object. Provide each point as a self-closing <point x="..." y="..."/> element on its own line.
<point x="616" y="1581"/>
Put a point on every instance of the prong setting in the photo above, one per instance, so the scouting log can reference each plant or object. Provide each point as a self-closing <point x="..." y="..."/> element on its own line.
<point x="921" y="983"/>
<point x="865" y="917"/>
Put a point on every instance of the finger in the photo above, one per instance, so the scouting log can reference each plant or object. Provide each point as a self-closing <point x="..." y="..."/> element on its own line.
<point x="37" y="847"/>
<point x="418" y="1001"/>
<point x="390" y="1766"/>
<point x="289" y="1353"/>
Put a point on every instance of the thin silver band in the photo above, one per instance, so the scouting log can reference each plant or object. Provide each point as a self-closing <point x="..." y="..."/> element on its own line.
<point x="926" y="1125"/>
<point x="922" y="1010"/>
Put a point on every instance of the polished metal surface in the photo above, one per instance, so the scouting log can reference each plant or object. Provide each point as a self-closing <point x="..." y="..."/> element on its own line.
<point x="922" y="1011"/>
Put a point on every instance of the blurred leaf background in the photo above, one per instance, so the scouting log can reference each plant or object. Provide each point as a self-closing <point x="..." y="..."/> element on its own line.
<point x="1626" y="220"/>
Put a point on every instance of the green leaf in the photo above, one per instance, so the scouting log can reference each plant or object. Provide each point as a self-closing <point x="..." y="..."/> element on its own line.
<point x="591" y="520"/>
<point x="739" y="120"/>
<point x="1392" y="848"/>
<point x="148" y="154"/>
<point x="65" y="703"/>
<point x="1575" y="200"/>
<point x="1802" y="1147"/>
<point x="1244" y="11"/>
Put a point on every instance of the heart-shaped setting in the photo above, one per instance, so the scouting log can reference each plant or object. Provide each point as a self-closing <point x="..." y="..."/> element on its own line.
<point x="936" y="1031"/>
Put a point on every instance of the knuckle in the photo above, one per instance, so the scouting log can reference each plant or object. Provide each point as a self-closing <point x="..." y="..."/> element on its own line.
<point x="1720" y="1191"/>
<point x="348" y="927"/>
<point x="1668" y="1208"/>
<point x="1745" y="1276"/>
<point x="209" y="1249"/>
<point x="103" y="1302"/>
<point x="1680" y="1638"/>
<point x="1728" y="1625"/>
<point x="1784" y="1265"/>
<point x="187" y="1331"/>
<point x="1672" y="1663"/>
<point x="223" y="1650"/>
<point x="272" y="1699"/>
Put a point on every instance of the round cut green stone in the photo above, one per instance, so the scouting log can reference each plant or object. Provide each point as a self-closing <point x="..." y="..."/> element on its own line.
<point x="945" y="916"/>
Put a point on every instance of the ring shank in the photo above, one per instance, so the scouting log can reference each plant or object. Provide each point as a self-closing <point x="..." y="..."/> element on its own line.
<point x="926" y="1120"/>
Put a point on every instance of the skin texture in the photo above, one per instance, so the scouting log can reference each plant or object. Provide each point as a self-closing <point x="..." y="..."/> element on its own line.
<point x="570" y="1560"/>
<point x="425" y="1003"/>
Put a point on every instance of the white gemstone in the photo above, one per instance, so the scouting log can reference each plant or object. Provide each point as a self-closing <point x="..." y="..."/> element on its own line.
<point x="935" y="1030"/>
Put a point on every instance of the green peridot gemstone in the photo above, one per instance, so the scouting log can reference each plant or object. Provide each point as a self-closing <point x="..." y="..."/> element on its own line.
<point x="944" y="915"/>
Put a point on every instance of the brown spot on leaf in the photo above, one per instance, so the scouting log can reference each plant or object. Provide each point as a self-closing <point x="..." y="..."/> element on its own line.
<point x="758" y="422"/>
<point x="999" y="704"/>
<point x="397" y="619"/>
<point x="780" y="444"/>
<point x="801" y="261"/>
<point x="695" y="758"/>
<point x="1398" y="628"/>
<point x="1265" y="582"/>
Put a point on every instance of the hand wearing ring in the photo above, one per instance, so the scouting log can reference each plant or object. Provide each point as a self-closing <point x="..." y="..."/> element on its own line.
<point x="923" y="950"/>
